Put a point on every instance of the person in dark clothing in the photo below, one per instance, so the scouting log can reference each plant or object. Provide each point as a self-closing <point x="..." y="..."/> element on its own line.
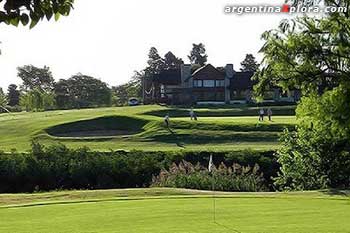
<point x="269" y="114"/>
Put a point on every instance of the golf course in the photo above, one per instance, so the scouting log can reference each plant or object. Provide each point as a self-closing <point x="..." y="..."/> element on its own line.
<point x="154" y="209"/>
<point x="174" y="210"/>
<point x="142" y="127"/>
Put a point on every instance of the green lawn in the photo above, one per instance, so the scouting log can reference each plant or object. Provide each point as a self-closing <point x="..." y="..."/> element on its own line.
<point x="174" y="210"/>
<point x="217" y="128"/>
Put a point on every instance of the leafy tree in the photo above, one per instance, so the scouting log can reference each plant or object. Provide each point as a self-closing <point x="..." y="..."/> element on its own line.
<point x="32" y="11"/>
<point x="171" y="61"/>
<point x="13" y="95"/>
<point x="124" y="92"/>
<point x="3" y="101"/>
<point x="312" y="54"/>
<point x="198" y="54"/>
<point x="81" y="91"/>
<point x="36" y="78"/>
<point x="38" y="100"/>
<point x="249" y="63"/>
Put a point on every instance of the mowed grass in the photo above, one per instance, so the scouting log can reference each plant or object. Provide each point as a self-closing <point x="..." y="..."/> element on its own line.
<point x="174" y="210"/>
<point x="216" y="128"/>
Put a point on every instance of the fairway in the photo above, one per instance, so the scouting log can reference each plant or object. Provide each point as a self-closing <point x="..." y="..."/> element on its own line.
<point x="142" y="127"/>
<point x="173" y="210"/>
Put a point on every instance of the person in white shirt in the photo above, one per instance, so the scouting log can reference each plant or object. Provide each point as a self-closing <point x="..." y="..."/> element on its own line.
<point x="261" y="114"/>
<point x="166" y="120"/>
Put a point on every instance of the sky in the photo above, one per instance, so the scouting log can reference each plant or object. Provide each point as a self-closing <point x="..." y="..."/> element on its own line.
<point x="110" y="39"/>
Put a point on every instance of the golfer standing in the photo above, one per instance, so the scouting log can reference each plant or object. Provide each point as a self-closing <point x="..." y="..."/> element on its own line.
<point x="166" y="120"/>
<point x="269" y="114"/>
<point x="192" y="115"/>
<point x="261" y="114"/>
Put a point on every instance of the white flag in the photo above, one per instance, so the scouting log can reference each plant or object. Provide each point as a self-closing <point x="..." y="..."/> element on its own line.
<point x="210" y="163"/>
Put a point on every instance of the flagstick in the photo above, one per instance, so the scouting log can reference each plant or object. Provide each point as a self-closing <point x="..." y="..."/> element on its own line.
<point x="214" y="206"/>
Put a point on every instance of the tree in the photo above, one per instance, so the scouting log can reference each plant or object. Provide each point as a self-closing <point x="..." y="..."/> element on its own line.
<point x="249" y="64"/>
<point x="38" y="100"/>
<point x="13" y="95"/>
<point x="312" y="54"/>
<point x="32" y="11"/>
<point x="34" y="77"/>
<point x="124" y="92"/>
<point x="171" y="61"/>
<point x="3" y="101"/>
<point x="81" y="91"/>
<point x="198" y="55"/>
<point x="155" y="63"/>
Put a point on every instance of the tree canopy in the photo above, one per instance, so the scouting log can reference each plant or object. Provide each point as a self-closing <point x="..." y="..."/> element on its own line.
<point x="312" y="54"/>
<point x="198" y="54"/>
<point x="171" y="61"/>
<point x="249" y="63"/>
<point x="35" y="77"/>
<point x="81" y="91"/>
<point x="32" y="11"/>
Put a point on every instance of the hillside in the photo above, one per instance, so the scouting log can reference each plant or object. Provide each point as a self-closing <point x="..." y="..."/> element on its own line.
<point x="142" y="127"/>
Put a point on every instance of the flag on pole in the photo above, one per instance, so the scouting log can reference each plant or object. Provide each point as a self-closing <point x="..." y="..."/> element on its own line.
<point x="210" y="163"/>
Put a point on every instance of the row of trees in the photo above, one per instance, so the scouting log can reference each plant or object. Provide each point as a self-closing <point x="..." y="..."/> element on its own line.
<point x="39" y="91"/>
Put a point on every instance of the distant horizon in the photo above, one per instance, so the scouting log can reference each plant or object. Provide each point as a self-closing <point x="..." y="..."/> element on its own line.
<point x="111" y="43"/>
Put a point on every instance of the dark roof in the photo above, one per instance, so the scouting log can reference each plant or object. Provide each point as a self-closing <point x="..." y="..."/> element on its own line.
<point x="242" y="80"/>
<point x="208" y="72"/>
<point x="170" y="77"/>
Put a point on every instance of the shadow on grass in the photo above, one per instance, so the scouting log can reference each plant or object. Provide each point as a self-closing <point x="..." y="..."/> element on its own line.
<point x="336" y="192"/>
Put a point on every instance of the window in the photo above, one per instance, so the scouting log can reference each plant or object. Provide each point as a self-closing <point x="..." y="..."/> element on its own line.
<point x="162" y="91"/>
<point x="220" y="83"/>
<point x="197" y="83"/>
<point x="208" y="83"/>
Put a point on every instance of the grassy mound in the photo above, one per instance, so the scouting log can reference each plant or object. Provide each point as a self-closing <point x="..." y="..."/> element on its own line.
<point x="217" y="128"/>
<point x="102" y="126"/>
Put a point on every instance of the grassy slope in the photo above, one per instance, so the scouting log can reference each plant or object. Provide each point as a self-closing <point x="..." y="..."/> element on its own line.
<point x="173" y="210"/>
<point x="226" y="125"/>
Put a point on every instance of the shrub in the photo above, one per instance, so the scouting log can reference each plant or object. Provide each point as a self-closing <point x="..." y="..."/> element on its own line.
<point x="58" y="167"/>
<point x="232" y="178"/>
<point x="317" y="155"/>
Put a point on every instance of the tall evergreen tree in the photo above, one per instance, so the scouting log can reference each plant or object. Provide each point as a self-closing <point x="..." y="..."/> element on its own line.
<point x="13" y="95"/>
<point x="198" y="55"/>
<point x="249" y="64"/>
<point x="155" y="63"/>
<point x="171" y="61"/>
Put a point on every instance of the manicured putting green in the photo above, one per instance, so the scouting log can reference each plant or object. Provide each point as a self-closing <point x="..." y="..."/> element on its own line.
<point x="177" y="211"/>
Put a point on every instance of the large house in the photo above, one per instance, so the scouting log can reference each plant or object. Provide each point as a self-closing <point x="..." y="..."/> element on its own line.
<point x="208" y="85"/>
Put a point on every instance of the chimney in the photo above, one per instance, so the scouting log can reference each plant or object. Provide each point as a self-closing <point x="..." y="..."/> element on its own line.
<point x="186" y="75"/>
<point x="229" y="72"/>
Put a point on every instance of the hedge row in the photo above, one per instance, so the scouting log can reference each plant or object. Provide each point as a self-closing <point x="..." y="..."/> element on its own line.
<point x="58" y="167"/>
